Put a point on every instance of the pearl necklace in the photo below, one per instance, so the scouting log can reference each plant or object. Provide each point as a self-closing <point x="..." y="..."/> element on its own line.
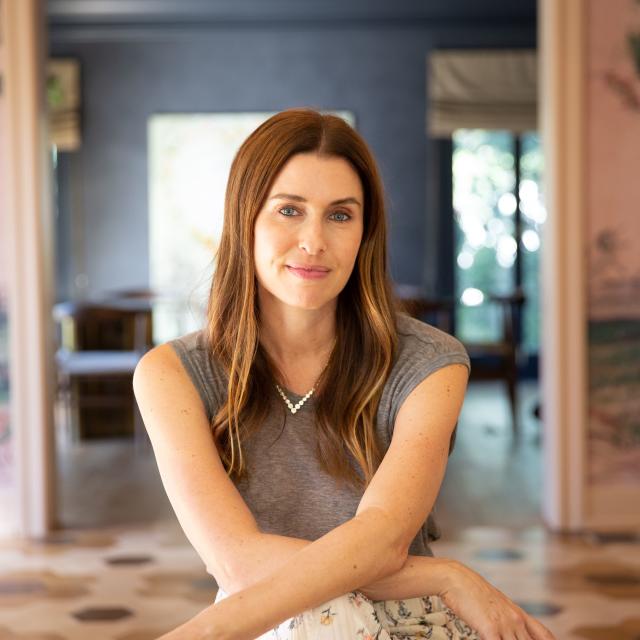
<point x="294" y="408"/>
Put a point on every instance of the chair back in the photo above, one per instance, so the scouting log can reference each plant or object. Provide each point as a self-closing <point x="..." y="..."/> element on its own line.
<point x="104" y="327"/>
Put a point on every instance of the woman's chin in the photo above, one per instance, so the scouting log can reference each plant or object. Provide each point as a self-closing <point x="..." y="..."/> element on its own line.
<point x="307" y="298"/>
<point x="309" y="304"/>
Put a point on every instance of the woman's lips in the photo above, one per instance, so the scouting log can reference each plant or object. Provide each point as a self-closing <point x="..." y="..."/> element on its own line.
<point x="307" y="274"/>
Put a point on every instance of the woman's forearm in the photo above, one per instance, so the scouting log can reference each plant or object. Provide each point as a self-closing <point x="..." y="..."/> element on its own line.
<point x="419" y="575"/>
<point x="359" y="551"/>
<point x="264" y="554"/>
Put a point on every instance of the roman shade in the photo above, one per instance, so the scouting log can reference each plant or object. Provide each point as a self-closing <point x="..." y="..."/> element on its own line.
<point x="481" y="89"/>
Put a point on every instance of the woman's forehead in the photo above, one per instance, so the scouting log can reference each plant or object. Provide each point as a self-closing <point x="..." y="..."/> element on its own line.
<point x="313" y="175"/>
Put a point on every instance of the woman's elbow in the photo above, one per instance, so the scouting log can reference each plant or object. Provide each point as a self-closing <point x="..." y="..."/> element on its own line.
<point x="229" y="579"/>
<point x="228" y="584"/>
<point x="398" y="548"/>
<point x="397" y="544"/>
<point x="395" y="548"/>
<point x="401" y="556"/>
<point x="387" y="560"/>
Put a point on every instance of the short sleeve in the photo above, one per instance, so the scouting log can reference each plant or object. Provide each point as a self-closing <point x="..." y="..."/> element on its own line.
<point x="195" y="360"/>
<point x="422" y="350"/>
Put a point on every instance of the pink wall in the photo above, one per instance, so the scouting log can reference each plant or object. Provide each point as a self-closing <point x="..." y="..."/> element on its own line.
<point x="613" y="220"/>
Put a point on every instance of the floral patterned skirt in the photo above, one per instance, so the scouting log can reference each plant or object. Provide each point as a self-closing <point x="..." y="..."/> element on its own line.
<point x="356" y="617"/>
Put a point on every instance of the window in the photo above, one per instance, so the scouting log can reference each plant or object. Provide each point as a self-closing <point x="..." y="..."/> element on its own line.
<point x="498" y="212"/>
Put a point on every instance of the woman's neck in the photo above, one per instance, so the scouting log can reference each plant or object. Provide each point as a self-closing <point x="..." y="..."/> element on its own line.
<point x="291" y="335"/>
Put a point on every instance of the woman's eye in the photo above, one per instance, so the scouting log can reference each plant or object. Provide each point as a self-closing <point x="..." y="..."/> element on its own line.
<point x="290" y="212"/>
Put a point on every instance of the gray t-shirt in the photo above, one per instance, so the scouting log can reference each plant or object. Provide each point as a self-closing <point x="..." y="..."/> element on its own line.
<point x="286" y="489"/>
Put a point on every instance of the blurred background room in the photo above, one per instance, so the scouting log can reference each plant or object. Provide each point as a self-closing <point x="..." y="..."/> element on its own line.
<point x="508" y="139"/>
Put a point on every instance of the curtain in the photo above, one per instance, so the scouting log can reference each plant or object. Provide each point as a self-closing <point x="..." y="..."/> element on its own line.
<point x="481" y="89"/>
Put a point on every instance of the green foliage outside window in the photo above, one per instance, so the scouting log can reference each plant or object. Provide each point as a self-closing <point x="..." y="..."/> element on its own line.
<point x="485" y="244"/>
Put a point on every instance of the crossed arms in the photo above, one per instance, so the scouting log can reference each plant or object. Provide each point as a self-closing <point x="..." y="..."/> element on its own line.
<point x="271" y="578"/>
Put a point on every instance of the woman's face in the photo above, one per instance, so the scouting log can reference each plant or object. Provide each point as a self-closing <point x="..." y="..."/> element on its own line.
<point x="308" y="232"/>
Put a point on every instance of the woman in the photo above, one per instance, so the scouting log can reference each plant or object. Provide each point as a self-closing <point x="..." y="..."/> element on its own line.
<point x="303" y="435"/>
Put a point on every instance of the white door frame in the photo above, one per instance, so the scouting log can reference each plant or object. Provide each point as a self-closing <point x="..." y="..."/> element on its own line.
<point x="25" y="198"/>
<point x="563" y="362"/>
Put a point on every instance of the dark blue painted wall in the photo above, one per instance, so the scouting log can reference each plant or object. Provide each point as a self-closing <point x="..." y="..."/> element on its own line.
<point x="375" y="69"/>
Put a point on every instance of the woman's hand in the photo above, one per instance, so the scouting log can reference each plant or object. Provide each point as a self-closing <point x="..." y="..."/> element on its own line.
<point x="487" y="609"/>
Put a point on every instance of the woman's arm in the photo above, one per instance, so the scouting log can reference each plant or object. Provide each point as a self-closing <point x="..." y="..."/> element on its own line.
<point x="221" y="527"/>
<point x="481" y="605"/>
<point x="371" y="545"/>
<point x="357" y="552"/>
<point x="289" y="590"/>
<point x="406" y="483"/>
<point x="473" y="599"/>
<point x="417" y="577"/>
<point x="212" y="513"/>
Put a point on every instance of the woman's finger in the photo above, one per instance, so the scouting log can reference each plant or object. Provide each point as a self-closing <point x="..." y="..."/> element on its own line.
<point x="520" y="628"/>
<point x="510" y="625"/>
<point x="523" y="634"/>
<point x="538" y="631"/>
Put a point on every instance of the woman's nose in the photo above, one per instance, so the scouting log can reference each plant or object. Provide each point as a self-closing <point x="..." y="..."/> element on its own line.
<point x="312" y="237"/>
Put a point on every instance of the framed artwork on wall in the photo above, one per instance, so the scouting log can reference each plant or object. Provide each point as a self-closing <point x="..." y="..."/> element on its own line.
<point x="63" y="101"/>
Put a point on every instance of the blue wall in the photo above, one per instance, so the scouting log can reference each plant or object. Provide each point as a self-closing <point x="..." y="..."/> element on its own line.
<point x="373" y="67"/>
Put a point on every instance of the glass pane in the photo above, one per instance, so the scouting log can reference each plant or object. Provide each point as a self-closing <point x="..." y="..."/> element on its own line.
<point x="485" y="248"/>
<point x="533" y="216"/>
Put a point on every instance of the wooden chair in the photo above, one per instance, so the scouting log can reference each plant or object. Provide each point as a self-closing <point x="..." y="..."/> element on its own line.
<point x="491" y="360"/>
<point x="100" y="345"/>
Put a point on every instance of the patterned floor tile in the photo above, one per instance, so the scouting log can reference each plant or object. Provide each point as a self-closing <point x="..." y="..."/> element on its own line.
<point x="611" y="579"/>
<point x="623" y="537"/>
<point x="13" y="587"/>
<point x="179" y="584"/>
<point x="7" y="634"/>
<point x="92" y="614"/>
<point x="538" y="609"/>
<point x="628" y="629"/>
<point x="499" y="555"/>
<point x="59" y="542"/>
<point x="19" y="588"/>
<point x="141" y="634"/>
<point x="128" y="560"/>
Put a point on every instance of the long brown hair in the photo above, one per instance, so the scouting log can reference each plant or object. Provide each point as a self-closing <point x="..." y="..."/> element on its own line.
<point x="349" y="390"/>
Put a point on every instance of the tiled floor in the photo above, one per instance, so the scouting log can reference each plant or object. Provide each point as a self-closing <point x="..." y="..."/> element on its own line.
<point x="122" y="569"/>
<point x="127" y="582"/>
<point x="135" y="583"/>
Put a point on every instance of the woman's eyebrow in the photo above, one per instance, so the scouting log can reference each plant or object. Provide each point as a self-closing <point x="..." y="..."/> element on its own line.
<point x="291" y="196"/>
